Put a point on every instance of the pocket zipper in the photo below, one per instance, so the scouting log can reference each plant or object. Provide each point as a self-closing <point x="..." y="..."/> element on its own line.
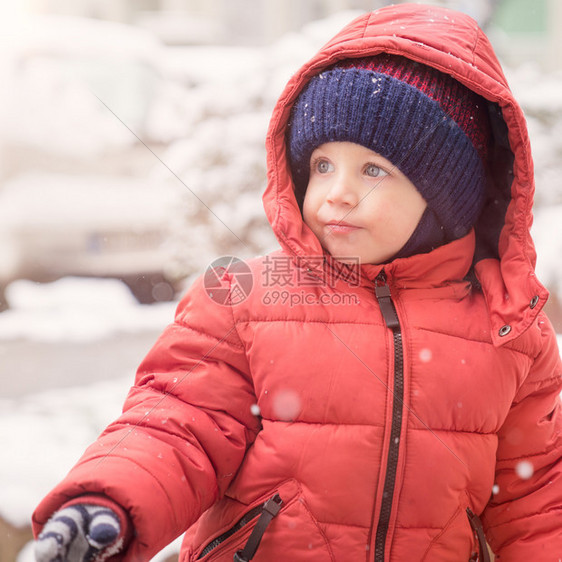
<point x="478" y="530"/>
<point x="271" y="507"/>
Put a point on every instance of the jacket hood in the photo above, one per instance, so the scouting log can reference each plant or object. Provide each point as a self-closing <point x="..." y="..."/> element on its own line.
<point x="451" y="42"/>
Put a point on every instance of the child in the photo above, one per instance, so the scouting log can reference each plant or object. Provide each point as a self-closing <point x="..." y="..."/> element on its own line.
<point x="390" y="377"/>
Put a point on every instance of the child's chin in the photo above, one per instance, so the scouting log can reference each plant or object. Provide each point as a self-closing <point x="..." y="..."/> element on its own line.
<point x="348" y="260"/>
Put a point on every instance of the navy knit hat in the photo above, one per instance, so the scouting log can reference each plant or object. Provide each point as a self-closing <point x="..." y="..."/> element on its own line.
<point x="431" y="127"/>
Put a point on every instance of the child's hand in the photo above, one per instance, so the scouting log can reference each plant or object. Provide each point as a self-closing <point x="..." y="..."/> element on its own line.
<point x="80" y="533"/>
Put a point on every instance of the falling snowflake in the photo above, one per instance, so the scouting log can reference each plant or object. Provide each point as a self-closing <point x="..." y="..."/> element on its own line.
<point x="286" y="404"/>
<point x="425" y="355"/>
<point x="524" y="470"/>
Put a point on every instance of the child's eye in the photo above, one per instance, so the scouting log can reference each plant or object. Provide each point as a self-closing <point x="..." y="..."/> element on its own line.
<point x="323" y="167"/>
<point x="374" y="171"/>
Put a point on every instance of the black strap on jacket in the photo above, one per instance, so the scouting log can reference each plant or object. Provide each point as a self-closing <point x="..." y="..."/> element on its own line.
<point x="478" y="530"/>
<point x="270" y="509"/>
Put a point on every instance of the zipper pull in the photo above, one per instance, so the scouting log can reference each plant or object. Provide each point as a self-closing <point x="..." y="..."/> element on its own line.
<point x="269" y="510"/>
<point x="384" y="298"/>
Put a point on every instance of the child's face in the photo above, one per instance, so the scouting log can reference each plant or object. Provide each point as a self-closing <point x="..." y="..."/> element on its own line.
<point x="358" y="204"/>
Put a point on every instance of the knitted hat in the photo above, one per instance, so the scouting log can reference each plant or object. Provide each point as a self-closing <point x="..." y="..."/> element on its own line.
<point x="431" y="127"/>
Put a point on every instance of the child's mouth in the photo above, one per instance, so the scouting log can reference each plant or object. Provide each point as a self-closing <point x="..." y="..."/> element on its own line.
<point x="341" y="227"/>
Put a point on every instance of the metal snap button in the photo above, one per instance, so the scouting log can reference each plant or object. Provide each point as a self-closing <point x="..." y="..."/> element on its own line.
<point x="504" y="330"/>
<point x="534" y="301"/>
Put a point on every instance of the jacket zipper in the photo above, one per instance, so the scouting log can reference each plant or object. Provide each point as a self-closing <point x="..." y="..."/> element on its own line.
<point x="388" y="310"/>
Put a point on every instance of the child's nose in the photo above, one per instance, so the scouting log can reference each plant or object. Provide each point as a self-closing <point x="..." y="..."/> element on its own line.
<point x="342" y="192"/>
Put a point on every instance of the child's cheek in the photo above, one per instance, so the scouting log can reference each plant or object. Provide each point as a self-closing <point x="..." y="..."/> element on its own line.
<point x="383" y="211"/>
<point x="309" y="211"/>
<point x="306" y="217"/>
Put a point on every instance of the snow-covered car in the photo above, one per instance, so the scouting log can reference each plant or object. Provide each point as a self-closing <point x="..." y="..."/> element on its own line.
<point x="55" y="225"/>
<point x="77" y="87"/>
<point x="80" y="106"/>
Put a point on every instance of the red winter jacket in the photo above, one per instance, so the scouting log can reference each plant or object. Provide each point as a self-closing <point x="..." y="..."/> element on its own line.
<point x="388" y="404"/>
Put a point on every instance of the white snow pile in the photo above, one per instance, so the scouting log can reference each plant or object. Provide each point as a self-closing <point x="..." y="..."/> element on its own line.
<point x="77" y="309"/>
<point x="45" y="434"/>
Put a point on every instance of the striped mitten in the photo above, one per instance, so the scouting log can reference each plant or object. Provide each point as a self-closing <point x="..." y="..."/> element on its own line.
<point x="80" y="533"/>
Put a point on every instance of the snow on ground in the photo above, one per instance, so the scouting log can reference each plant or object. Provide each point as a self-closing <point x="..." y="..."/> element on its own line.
<point x="45" y="434"/>
<point x="42" y="435"/>
<point x="54" y="426"/>
<point x="77" y="309"/>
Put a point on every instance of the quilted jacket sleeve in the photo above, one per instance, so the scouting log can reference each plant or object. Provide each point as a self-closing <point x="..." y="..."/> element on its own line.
<point x="185" y="428"/>
<point x="523" y="519"/>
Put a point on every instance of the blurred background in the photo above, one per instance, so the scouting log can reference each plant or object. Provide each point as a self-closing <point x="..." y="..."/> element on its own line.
<point x="131" y="156"/>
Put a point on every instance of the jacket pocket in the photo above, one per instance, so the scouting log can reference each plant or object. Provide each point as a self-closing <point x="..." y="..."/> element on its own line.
<point x="289" y="531"/>
<point x="456" y="540"/>
<point x="263" y="514"/>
